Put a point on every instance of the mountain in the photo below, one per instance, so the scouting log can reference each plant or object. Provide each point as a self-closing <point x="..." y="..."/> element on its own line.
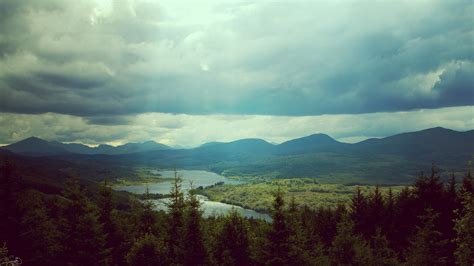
<point x="137" y="147"/>
<point x="392" y="159"/>
<point x="212" y="143"/>
<point x="73" y="147"/>
<point x="259" y="146"/>
<point x="34" y="146"/>
<point x="315" y="142"/>
<point x="432" y="140"/>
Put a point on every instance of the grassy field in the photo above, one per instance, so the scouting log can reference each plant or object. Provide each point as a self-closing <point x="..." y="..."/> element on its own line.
<point x="306" y="191"/>
<point x="143" y="175"/>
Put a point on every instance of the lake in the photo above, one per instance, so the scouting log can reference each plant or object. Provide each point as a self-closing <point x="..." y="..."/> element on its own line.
<point x="198" y="178"/>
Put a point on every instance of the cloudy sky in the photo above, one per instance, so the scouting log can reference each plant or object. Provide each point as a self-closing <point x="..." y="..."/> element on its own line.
<point x="188" y="72"/>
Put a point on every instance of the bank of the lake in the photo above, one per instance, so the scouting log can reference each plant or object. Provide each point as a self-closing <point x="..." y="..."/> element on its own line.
<point x="197" y="178"/>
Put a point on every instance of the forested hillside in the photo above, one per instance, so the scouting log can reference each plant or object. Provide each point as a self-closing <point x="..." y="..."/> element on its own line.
<point x="394" y="159"/>
<point x="428" y="223"/>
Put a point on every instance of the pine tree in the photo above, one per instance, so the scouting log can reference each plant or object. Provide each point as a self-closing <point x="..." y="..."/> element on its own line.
<point x="375" y="211"/>
<point x="278" y="237"/>
<point x="447" y="217"/>
<point x="147" y="217"/>
<point x="84" y="239"/>
<point x="106" y="206"/>
<point x="467" y="183"/>
<point x="426" y="245"/>
<point x="40" y="238"/>
<point x="359" y="212"/>
<point x="146" y="251"/>
<point x="10" y="187"/>
<point x="233" y="241"/>
<point x="464" y="227"/>
<point x="405" y="219"/>
<point x="347" y="248"/>
<point x="382" y="254"/>
<point x="195" y="251"/>
<point x="429" y="191"/>
<point x="389" y="216"/>
<point x="175" y="236"/>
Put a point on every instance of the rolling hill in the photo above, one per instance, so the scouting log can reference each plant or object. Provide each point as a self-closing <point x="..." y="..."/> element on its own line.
<point x="392" y="159"/>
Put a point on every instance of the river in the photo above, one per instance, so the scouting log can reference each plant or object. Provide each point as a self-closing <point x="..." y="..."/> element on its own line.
<point x="198" y="178"/>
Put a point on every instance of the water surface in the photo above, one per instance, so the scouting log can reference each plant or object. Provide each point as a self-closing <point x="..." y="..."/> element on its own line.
<point x="198" y="178"/>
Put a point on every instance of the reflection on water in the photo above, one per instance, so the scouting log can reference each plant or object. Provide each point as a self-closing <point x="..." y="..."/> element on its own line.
<point x="214" y="208"/>
<point x="198" y="178"/>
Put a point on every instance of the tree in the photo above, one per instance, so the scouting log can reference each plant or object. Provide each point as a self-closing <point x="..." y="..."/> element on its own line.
<point x="375" y="211"/>
<point x="233" y="241"/>
<point x="40" y="238"/>
<point x="10" y="187"/>
<point x="382" y="254"/>
<point x="84" y="239"/>
<point x="426" y="245"/>
<point x="429" y="191"/>
<point x="278" y="237"/>
<point x="467" y="183"/>
<point x="147" y="217"/>
<point x="359" y="212"/>
<point x="347" y="248"/>
<point x="405" y="219"/>
<point x="464" y="227"/>
<point x="175" y="223"/>
<point x="147" y="250"/>
<point x="105" y="204"/>
<point x="193" y="240"/>
<point x="389" y="216"/>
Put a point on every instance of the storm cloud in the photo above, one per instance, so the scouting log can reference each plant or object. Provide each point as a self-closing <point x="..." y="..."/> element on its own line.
<point x="237" y="57"/>
<point x="100" y="65"/>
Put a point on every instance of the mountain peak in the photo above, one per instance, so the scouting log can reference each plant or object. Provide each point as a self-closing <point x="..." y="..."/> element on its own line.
<point x="33" y="139"/>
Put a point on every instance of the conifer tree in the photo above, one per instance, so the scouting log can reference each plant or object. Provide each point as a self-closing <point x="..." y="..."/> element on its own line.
<point x="84" y="239"/>
<point x="464" y="227"/>
<point x="426" y="246"/>
<point x="382" y="254"/>
<point x="146" y="251"/>
<point x="375" y="211"/>
<point x="389" y="216"/>
<point x="40" y="238"/>
<point x="348" y="248"/>
<point x="278" y="237"/>
<point x="467" y="183"/>
<point x="359" y="212"/>
<point x="194" y="247"/>
<point x="106" y="206"/>
<point x="233" y="241"/>
<point x="147" y="217"/>
<point x="9" y="189"/>
<point x="405" y="219"/>
<point x="175" y="253"/>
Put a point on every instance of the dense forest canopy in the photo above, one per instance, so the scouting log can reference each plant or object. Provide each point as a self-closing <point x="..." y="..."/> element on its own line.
<point x="428" y="223"/>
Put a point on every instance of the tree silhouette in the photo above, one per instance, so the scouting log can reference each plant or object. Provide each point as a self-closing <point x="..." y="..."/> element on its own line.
<point x="278" y="237"/>
<point x="464" y="228"/>
<point x="426" y="245"/>
<point x="233" y="241"/>
<point x="176" y="222"/>
<point x="193" y="240"/>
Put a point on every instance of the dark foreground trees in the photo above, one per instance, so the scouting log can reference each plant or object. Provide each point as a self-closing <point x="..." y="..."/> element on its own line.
<point x="80" y="227"/>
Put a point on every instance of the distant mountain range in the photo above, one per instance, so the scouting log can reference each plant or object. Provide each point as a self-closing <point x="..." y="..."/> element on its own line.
<point x="38" y="147"/>
<point x="392" y="159"/>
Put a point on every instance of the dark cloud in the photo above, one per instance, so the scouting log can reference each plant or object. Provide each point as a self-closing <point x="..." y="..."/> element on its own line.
<point x="303" y="58"/>
<point x="109" y="120"/>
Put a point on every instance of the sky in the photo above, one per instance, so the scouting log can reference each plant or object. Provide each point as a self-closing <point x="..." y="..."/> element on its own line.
<point x="188" y="72"/>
